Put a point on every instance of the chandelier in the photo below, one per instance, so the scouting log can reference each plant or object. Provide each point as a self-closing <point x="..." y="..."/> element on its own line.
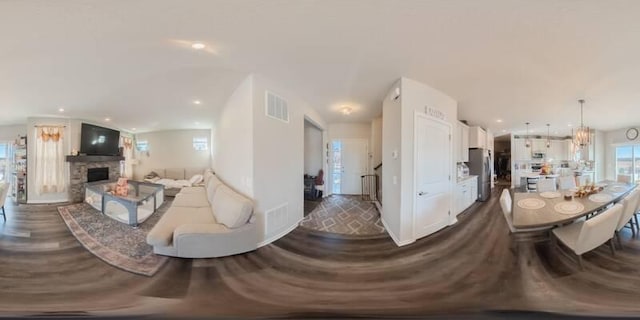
<point x="548" y="138"/>
<point x="582" y="136"/>
<point x="527" y="142"/>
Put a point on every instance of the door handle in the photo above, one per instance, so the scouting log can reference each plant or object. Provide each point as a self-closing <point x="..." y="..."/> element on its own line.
<point x="422" y="193"/>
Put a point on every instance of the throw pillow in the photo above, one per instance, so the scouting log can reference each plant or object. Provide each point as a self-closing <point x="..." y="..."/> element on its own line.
<point x="230" y="208"/>
<point x="197" y="178"/>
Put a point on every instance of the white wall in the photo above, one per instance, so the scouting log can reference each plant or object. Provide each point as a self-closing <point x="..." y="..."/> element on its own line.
<point x="276" y="149"/>
<point x="233" y="140"/>
<point x="11" y="133"/>
<point x="312" y="149"/>
<point x="398" y="134"/>
<point x="171" y="149"/>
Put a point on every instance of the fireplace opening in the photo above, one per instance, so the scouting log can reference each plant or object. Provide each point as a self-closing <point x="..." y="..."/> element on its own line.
<point x="97" y="174"/>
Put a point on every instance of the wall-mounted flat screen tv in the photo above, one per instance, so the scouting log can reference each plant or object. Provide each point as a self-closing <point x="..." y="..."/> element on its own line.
<point x="99" y="141"/>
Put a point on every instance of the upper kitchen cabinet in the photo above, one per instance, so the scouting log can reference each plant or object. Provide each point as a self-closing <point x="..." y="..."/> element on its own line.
<point x="462" y="154"/>
<point x="477" y="138"/>
<point x="557" y="151"/>
<point x="490" y="139"/>
<point x="519" y="151"/>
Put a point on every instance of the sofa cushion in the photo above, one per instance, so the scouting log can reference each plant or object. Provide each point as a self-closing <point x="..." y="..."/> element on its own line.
<point x="212" y="186"/>
<point x="190" y="200"/>
<point x="230" y="208"/>
<point x="162" y="233"/>
<point x="194" y="190"/>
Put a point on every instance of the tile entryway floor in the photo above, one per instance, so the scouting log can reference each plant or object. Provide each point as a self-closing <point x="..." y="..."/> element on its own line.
<point x="345" y="214"/>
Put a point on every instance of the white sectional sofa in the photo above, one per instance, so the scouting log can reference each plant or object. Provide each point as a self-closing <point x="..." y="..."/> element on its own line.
<point x="206" y="222"/>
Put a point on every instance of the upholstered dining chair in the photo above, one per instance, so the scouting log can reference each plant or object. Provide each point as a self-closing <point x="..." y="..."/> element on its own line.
<point x="566" y="182"/>
<point x="586" y="235"/>
<point x="624" y="178"/>
<point x="4" y="190"/>
<point x="630" y="206"/>
<point x="545" y="185"/>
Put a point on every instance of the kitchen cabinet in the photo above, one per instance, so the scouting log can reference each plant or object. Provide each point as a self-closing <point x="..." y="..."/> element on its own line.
<point x="519" y="151"/>
<point x="466" y="193"/>
<point x="490" y="139"/>
<point x="477" y="138"/>
<point x="462" y="146"/>
<point x="557" y="151"/>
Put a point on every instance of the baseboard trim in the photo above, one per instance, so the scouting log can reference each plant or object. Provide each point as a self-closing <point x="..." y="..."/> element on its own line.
<point x="281" y="234"/>
<point x="393" y="236"/>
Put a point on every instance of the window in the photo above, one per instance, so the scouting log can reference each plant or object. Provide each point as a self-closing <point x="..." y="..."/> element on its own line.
<point x="201" y="144"/>
<point x="142" y="145"/>
<point x="628" y="162"/>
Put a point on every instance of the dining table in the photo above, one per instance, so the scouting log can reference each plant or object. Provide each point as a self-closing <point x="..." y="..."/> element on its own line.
<point x="546" y="209"/>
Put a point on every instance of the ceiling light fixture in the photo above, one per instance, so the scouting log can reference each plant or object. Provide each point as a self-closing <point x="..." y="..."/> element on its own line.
<point x="197" y="102"/>
<point x="499" y="121"/>
<point x="527" y="142"/>
<point x="61" y="110"/>
<point x="198" y="46"/>
<point x="548" y="138"/>
<point x="107" y="119"/>
<point x="582" y="137"/>
<point x="133" y="129"/>
<point x="346" y="111"/>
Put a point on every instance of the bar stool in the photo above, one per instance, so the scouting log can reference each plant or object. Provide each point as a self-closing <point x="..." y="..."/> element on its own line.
<point x="532" y="184"/>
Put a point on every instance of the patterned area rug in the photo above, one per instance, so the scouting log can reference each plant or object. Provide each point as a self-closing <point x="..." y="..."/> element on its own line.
<point x="346" y="215"/>
<point x="115" y="243"/>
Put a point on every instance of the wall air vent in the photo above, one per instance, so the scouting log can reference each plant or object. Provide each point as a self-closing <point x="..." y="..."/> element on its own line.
<point x="276" y="107"/>
<point x="276" y="219"/>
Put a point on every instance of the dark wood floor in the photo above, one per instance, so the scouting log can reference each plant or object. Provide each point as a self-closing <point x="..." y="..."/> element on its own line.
<point x="469" y="269"/>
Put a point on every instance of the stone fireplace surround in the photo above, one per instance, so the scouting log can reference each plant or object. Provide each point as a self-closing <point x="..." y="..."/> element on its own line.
<point x="78" y="172"/>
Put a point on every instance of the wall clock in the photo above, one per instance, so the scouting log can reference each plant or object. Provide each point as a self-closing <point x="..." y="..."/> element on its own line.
<point x="632" y="134"/>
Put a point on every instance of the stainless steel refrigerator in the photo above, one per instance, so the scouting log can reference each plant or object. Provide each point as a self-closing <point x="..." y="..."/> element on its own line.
<point x="480" y="165"/>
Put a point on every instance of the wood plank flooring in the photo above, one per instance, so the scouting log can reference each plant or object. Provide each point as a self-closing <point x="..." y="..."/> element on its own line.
<point x="470" y="269"/>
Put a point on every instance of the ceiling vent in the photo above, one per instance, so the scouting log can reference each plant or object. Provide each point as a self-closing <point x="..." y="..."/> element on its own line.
<point x="276" y="107"/>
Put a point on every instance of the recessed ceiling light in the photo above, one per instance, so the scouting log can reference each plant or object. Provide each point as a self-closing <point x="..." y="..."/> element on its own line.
<point x="197" y="102"/>
<point x="133" y="129"/>
<point x="346" y="111"/>
<point x="61" y="110"/>
<point x="499" y="121"/>
<point x="198" y="46"/>
<point x="107" y="119"/>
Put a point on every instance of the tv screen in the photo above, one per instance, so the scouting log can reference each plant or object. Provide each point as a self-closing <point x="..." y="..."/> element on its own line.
<point x="99" y="141"/>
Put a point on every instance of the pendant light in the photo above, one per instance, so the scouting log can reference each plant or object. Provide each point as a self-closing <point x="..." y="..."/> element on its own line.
<point x="527" y="142"/>
<point x="548" y="138"/>
<point x="582" y="137"/>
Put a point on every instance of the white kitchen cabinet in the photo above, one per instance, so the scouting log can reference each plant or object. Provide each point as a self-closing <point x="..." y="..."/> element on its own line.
<point x="466" y="193"/>
<point x="477" y="138"/>
<point x="519" y="151"/>
<point x="462" y="146"/>
<point x="490" y="139"/>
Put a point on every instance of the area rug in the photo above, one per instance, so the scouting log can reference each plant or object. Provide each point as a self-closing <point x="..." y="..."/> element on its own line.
<point x="115" y="243"/>
<point x="345" y="215"/>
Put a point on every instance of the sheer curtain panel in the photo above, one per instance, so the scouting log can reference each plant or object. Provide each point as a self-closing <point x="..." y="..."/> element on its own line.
<point x="49" y="160"/>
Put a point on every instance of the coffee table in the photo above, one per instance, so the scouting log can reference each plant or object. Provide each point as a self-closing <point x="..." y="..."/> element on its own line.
<point x="143" y="199"/>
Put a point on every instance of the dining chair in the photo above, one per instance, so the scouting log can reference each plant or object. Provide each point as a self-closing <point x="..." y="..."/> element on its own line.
<point x="584" y="236"/>
<point x="532" y="184"/>
<point x="624" y="178"/>
<point x="4" y="190"/>
<point x="545" y="185"/>
<point x="630" y="204"/>
<point x="566" y="182"/>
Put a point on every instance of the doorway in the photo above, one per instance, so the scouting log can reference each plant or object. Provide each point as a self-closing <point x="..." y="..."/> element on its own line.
<point x="349" y="163"/>
<point x="313" y="164"/>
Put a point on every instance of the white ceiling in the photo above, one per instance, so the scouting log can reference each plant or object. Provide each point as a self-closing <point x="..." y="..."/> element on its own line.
<point x="131" y="60"/>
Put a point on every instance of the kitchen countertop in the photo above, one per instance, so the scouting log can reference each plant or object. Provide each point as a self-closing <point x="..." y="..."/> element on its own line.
<point x="465" y="178"/>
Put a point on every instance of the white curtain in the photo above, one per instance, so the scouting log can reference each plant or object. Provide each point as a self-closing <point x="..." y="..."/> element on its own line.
<point x="49" y="160"/>
<point x="127" y="147"/>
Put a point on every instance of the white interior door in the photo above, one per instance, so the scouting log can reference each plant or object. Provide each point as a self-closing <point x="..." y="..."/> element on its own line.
<point x="350" y="163"/>
<point x="432" y="175"/>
